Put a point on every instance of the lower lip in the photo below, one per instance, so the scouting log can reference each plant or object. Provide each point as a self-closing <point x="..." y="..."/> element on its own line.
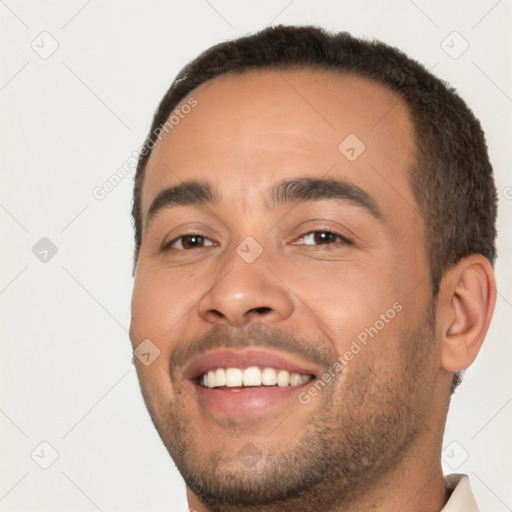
<point x="247" y="401"/>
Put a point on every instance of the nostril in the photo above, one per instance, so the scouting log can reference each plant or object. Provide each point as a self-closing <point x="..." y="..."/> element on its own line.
<point x="262" y="310"/>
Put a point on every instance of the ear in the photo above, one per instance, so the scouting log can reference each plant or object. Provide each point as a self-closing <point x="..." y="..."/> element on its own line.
<point x="467" y="296"/>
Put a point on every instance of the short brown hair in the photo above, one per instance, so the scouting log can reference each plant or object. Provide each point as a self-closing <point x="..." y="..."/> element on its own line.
<point x="452" y="177"/>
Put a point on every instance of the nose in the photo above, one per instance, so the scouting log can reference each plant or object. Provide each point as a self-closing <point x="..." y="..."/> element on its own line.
<point x="244" y="293"/>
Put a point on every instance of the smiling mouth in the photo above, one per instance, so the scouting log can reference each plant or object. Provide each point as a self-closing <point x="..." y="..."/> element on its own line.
<point x="241" y="379"/>
<point x="252" y="381"/>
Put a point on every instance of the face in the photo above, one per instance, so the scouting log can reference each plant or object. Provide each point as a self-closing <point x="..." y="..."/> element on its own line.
<point x="282" y="277"/>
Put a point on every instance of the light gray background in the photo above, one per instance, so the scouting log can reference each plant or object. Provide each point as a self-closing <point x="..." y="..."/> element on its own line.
<point x="68" y="122"/>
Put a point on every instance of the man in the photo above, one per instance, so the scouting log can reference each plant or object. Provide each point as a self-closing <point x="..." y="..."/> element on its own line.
<point x="314" y="221"/>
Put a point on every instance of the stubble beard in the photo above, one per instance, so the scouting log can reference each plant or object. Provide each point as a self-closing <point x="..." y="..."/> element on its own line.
<point x="362" y="425"/>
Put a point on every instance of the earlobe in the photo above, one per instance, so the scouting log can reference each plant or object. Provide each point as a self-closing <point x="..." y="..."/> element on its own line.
<point x="468" y="295"/>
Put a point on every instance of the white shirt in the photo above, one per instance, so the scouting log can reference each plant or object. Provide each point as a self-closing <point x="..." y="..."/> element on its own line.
<point x="461" y="499"/>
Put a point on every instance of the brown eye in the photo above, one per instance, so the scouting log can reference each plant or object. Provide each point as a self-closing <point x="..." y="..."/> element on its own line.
<point x="187" y="242"/>
<point x="322" y="238"/>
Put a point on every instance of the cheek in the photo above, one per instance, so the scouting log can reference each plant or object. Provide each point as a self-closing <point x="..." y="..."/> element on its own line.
<point x="346" y="296"/>
<point x="161" y="307"/>
<point x="363" y="307"/>
<point x="156" y="326"/>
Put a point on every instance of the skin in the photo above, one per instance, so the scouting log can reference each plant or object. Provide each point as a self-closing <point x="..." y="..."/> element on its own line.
<point x="371" y="440"/>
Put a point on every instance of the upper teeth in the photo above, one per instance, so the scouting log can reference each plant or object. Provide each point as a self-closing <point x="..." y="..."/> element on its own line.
<point x="252" y="376"/>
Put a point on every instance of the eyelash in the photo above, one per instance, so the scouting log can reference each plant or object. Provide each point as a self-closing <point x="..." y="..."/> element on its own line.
<point x="341" y="239"/>
<point x="168" y="246"/>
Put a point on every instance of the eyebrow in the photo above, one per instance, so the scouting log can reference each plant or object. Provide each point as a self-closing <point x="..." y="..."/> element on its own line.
<point x="316" y="189"/>
<point x="186" y="193"/>
<point x="287" y="191"/>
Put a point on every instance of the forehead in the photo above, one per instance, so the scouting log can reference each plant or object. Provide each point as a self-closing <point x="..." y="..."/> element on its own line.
<point x="248" y="130"/>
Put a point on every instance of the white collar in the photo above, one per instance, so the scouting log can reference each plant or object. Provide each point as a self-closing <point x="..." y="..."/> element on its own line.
<point x="461" y="499"/>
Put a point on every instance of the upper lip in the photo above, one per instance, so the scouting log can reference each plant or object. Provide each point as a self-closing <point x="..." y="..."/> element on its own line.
<point x="232" y="358"/>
